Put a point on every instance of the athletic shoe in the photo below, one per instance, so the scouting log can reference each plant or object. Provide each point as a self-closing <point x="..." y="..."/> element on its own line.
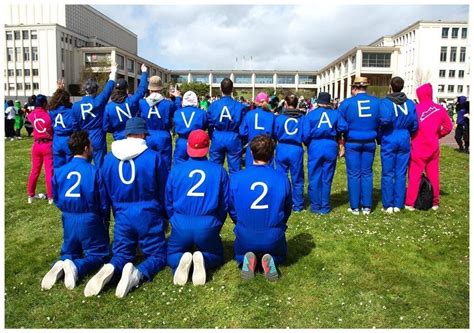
<point x="389" y="210"/>
<point x="54" y="274"/>
<point x="353" y="211"/>
<point x="131" y="277"/>
<point x="199" y="271"/>
<point x="396" y="210"/>
<point x="50" y="201"/>
<point x="269" y="268"/>
<point x="248" y="266"/>
<point x="435" y="207"/>
<point x="410" y="208"/>
<point x="366" y="211"/>
<point x="98" y="281"/>
<point x="40" y="196"/>
<point x="70" y="274"/>
<point x="182" y="272"/>
<point x="30" y="200"/>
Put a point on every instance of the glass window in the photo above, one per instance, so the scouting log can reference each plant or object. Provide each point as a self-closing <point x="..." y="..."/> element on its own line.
<point x="34" y="34"/>
<point x="19" y="86"/>
<point x="453" y="54"/>
<point x="450" y="88"/>
<point x="452" y="73"/>
<point x="441" y="88"/>
<point x="464" y="33"/>
<point x="35" y="72"/>
<point x="62" y="55"/>
<point x="445" y="33"/>
<point x="217" y="78"/>
<point x="18" y="72"/>
<point x="120" y="62"/>
<point x="26" y="34"/>
<point x="454" y="33"/>
<point x="27" y="86"/>
<point x="9" y="35"/>
<point x="130" y="65"/>
<point x="307" y="79"/>
<point x="18" y="54"/>
<point x="11" y="72"/>
<point x="34" y="53"/>
<point x="182" y="79"/>
<point x="92" y="59"/>
<point x="264" y="79"/>
<point x="442" y="73"/>
<point x="443" y="54"/>
<point x="202" y="78"/>
<point x="461" y="74"/>
<point x="9" y="53"/>
<point x="460" y="88"/>
<point x="35" y="85"/>
<point x="462" y="54"/>
<point x="11" y="86"/>
<point x="376" y="59"/>
<point x="27" y="72"/>
<point x="17" y="35"/>
<point x="26" y="54"/>
<point x="243" y="79"/>
<point x="286" y="79"/>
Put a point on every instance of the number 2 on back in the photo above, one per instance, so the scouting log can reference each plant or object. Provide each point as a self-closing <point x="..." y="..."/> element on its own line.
<point x="255" y="204"/>
<point x="191" y="192"/>
<point x="73" y="187"/>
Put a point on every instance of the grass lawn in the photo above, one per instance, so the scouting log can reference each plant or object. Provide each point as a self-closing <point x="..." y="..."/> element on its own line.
<point x="343" y="271"/>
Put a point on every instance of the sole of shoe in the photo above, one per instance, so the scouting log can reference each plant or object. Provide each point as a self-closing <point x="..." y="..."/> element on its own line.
<point x="269" y="268"/>
<point x="182" y="271"/>
<point x="54" y="274"/>
<point x="248" y="266"/>
<point x="69" y="275"/>
<point x="98" y="281"/>
<point x="409" y="208"/>
<point x="199" y="270"/>
<point x="396" y="210"/>
<point x="124" y="284"/>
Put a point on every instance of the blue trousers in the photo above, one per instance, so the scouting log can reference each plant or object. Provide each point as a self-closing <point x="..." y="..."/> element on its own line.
<point x="395" y="155"/>
<point x="139" y="224"/>
<point x="226" y="143"/>
<point x="359" y="161"/>
<point x="322" y="156"/>
<point x="160" y="141"/>
<point x="86" y="241"/>
<point x="259" y="244"/>
<point x="206" y="240"/>
<point x="290" y="157"/>
<point x="61" y="152"/>
<point x="180" y="151"/>
<point x="99" y="146"/>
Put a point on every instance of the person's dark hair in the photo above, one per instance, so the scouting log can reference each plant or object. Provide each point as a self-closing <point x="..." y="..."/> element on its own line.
<point x="262" y="148"/>
<point x="118" y="95"/>
<point x="227" y="86"/>
<point x="78" y="141"/>
<point x="10" y="103"/>
<point x="41" y="101"/>
<point x="90" y="86"/>
<point x="31" y="100"/>
<point x="397" y="84"/>
<point x="291" y="100"/>
<point x="60" y="97"/>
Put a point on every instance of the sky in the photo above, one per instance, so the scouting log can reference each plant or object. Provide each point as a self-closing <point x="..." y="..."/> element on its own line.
<point x="272" y="37"/>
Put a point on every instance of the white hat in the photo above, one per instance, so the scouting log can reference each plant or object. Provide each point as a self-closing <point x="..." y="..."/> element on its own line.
<point x="190" y="98"/>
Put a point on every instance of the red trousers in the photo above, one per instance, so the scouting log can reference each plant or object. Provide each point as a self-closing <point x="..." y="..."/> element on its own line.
<point x="41" y="153"/>
<point x="418" y="164"/>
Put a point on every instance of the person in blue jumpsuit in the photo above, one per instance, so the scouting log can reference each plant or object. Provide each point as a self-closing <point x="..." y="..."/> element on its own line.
<point x="225" y="116"/>
<point x="158" y="113"/>
<point x="321" y="127"/>
<point x="258" y="121"/>
<point x="63" y="125"/>
<point x="122" y="107"/>
<point x="79" y="193"/>
<point x="289" y="151"/>
<point x="88" y="114"/>
<point x="196" y="201"/>
<point x="189" y="118"/>
<point x="135" y="179"/>
<point x="362" y="114"/>
<point x="260" y="204"/>
<point x="398" y="121"/>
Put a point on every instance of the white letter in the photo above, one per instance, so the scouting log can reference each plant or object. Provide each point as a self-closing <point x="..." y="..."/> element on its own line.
<point x="150" y="112"/>
<point x="403" y="108"/>
<point x="286" y="126"/>
<point x="226" y="114"/>
<point x="190" y="120"/>
<point x="87" y="108"/>
<point x="324" y="115"/>
<point x="59" y="121"/>
<point x="39" y="130"/>
<point x="125" y="113"/>
<point x="256" y="123"/>
<point x="132" y="177"/>
<point x="362" y="108"/>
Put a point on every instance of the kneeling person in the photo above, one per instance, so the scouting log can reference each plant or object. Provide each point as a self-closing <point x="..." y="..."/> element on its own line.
<point x="135" y="179"/>
<point x="196" y="201"/>
<point x="79" y="193"/>
<point x="260" y="204"/>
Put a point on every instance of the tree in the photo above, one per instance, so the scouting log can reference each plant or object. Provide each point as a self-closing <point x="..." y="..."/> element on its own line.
<point x="421" y="76"/>
<point x="201" y="89"/>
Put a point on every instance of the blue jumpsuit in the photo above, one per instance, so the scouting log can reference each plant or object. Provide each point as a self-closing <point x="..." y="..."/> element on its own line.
<point x="136" y="189"/>
<point x="225" y="116"/>
<point x="117" y="114"/>
<point x="260" y="205"/>
<point x="63" y="126"/>
<point x="362" y="114"/>
<point x="256" y="122"/>
<point x="88" y="114"/>
<point x="159" y="122"/>
<point x="196" y="201"/>
<point x="320" y="128"/>
<point x="186" y="120"/>
<point x="398" y="122"/>
<point x="79" y="193"/>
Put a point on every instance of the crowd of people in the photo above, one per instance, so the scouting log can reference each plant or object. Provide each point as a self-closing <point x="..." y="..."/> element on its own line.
<point x="144" y="182"/>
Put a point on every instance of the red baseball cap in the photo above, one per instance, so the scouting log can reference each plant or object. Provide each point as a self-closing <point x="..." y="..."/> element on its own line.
<point x="198" y="143"/>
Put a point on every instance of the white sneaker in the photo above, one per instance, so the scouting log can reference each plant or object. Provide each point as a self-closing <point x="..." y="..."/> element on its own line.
<point x="199" y="271"/>
<point x="54" y="274"/>
<point x="131" y="277"/>
<point x="30" y="200"/>
<point x="389" y="210"/>
<point x="366" y="211"/>
<point x="50" y="201"/>
<point x="353" y="211"/>
<point x="98" y="281"/>
<point x="70" y="274"/>
<point x="435" y="207"/>
<point x="410" y="208"/>
<point x="182" y="271"/>
<point x="396" y="210"/>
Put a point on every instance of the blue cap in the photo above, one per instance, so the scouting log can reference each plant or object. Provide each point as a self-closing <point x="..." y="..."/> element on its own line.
<point x="136" y="125"/>
<point x="40" y="100"/>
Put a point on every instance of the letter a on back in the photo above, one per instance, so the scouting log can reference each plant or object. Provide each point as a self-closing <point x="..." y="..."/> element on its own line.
<point x="225" y="114"/>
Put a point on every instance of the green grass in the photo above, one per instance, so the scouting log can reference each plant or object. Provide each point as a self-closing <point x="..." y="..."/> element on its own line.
<point x="402" y="271"/>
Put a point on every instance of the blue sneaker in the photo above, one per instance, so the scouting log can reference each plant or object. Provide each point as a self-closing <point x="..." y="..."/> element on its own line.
<point x="248" y="266"/>
<point x="269" y="268"/>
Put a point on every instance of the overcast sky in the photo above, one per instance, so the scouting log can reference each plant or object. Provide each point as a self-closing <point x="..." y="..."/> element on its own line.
<point x="276" y="37"/>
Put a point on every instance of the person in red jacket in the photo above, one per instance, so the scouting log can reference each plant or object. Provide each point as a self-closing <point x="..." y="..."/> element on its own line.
<point x="433" y="124"/>
<point x="42" y="150"/>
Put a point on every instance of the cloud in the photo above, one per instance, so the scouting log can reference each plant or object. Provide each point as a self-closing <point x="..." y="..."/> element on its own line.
<point x="276" y="37"/>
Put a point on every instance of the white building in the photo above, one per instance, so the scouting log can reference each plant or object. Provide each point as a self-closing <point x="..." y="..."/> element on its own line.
<point x="426" y="51"/>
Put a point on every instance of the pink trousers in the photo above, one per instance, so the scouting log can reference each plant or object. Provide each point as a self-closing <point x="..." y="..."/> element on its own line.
<point x="418" y="164"/>
<point x="41" y="153"/>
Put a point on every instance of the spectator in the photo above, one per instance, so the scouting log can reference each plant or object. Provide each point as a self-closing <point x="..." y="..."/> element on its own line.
<point x="10" y="114"/>
<point x="18" y="120"/>
<point x="461" y="123"/>
<point x="27" y="123"/>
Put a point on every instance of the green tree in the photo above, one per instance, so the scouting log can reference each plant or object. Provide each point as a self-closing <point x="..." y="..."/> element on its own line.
<point x="201" y="89"/>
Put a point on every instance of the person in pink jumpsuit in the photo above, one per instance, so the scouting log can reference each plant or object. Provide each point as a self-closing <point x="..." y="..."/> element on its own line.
<point x="42" y="150"/>
<point x="433" y="124"/>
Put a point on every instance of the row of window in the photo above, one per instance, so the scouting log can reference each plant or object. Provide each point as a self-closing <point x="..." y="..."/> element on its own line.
<point x="19" y="72"/>
<point x="453" y="54"/>
<point x="247" y="79"/>
<point x="19" y="86"/>
<point x="451" y="73"/>
<point x="21" y="34"/>
<point x="376" y="59"/>
<point x="454" y="33"/>
<point x="16" y="54"/>
<point x="450" y="88"/>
